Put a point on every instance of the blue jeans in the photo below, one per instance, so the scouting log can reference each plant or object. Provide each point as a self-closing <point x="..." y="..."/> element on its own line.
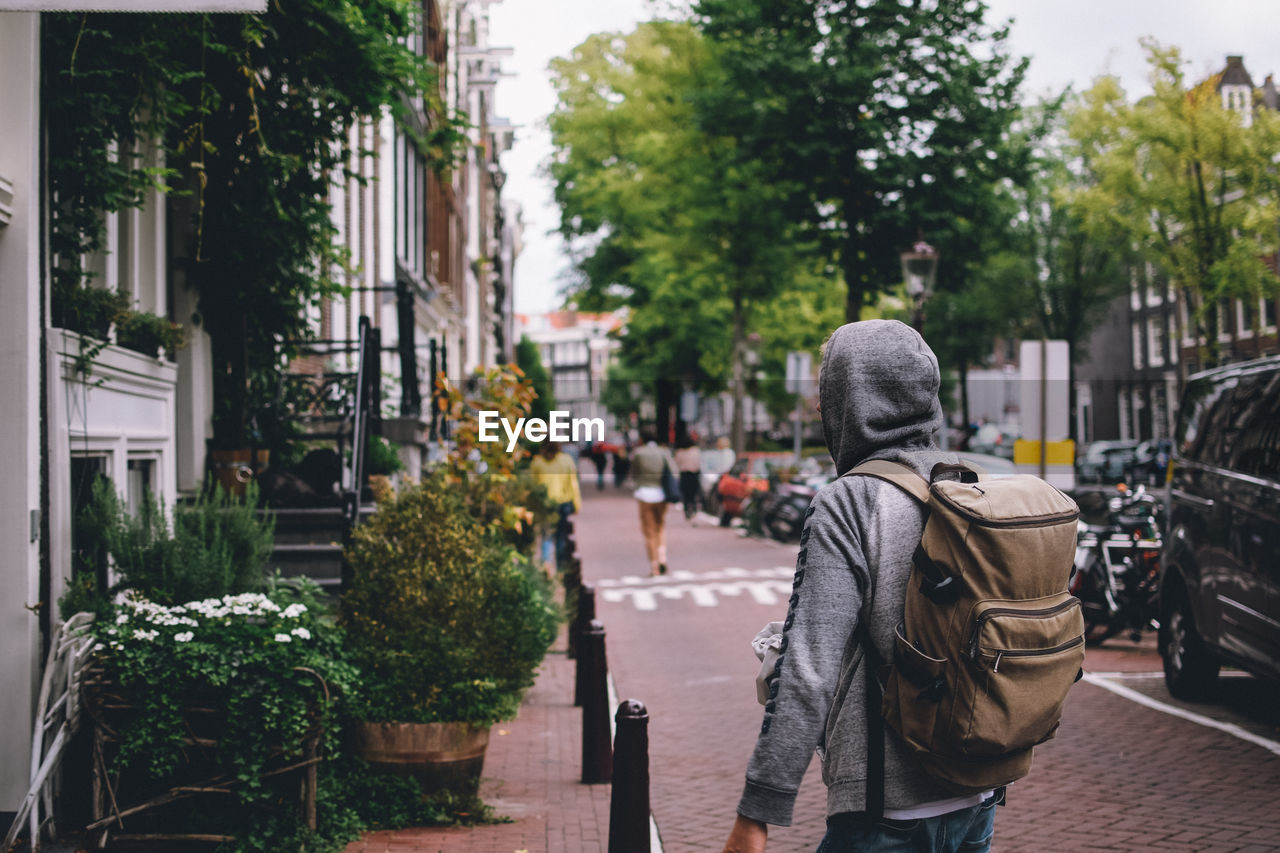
<point x="964" y="830"/>
<point x="559" y="539"/>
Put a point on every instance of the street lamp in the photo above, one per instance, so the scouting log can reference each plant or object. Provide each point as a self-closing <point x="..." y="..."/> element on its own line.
<point x="919" y="269"/>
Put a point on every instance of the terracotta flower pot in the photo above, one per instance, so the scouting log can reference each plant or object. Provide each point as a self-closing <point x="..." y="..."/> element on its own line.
<point x="440" y="755"/>
<point x="233" y="469"/>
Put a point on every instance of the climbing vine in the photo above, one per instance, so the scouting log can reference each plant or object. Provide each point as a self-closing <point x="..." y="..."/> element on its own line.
<point x="254" y="115"/>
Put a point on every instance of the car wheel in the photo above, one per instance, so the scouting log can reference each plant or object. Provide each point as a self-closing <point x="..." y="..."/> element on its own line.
<point x="1190" y="666"/>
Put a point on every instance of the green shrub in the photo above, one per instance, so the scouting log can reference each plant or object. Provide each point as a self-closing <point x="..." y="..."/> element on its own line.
<point x="149" y="334"/>
<point x="383" y="458"/>
<point x="446" y="620"/>
<point x="218" y="545"/>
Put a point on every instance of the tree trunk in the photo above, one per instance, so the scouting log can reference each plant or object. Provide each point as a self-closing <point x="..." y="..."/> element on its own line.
<point x="738" y="435"/>
<point x="856" y="292"/>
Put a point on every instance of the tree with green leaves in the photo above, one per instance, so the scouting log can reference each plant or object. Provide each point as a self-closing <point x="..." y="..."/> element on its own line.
<point x="877" y="122"/>
<point x="1188" y="182"/>
<point x="667" y="216"/>
<point x="529" y="360"/>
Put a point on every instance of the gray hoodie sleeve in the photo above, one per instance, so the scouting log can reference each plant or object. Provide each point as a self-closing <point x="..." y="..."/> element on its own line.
<point x="826" y="596"/>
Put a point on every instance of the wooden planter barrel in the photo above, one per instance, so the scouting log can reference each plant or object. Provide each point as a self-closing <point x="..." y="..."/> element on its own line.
<point x="440" y="755"/>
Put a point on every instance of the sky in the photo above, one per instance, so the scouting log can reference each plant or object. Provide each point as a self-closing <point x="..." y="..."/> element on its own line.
<point x="1070" y="42"/>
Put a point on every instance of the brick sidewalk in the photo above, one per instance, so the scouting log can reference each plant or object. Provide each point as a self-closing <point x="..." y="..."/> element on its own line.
<point x="531" y="775"/>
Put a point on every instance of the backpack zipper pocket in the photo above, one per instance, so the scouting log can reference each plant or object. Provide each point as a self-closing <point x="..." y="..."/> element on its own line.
<point x="1024" y="653"/>
<point x="1037" y="613"/>
<point x="1030" y="521"/>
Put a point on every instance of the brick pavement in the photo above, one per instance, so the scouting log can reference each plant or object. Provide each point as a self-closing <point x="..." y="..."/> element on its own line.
<point x="1118" y="777"/>
<point x="531" y="775"/>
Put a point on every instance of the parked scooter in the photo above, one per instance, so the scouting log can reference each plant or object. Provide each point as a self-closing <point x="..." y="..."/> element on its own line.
<point x="1117" y="567"/>
<point x="782" y="510"/>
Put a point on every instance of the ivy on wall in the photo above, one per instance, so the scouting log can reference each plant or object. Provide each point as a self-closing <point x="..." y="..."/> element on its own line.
<point x="254" y="114"/>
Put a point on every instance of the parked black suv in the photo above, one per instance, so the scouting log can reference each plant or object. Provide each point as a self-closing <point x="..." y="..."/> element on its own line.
<point x="1220" y="584"/>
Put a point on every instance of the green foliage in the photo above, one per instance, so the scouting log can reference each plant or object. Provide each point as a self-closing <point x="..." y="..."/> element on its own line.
<point x="874" y="120"/>
<point x="216" y="546"/>
<point x="150" y="334"/>
<point x="383" y="458"/>
<point x="86" y="309"/>
<point x="529" y="360"/>
<point x="254" y="115"/>
<point x="386" y="801"/>
<point x="668" y="215"/>
<point x="446" y="622"/>
<point x="253" y="659"/>
<point x="1185" y="181"/>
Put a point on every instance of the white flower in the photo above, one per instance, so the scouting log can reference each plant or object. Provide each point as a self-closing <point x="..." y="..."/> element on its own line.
<point x="293" y="611"/>
<point x="301" y="633"/>
<point x="97" y="647"/>
<point x="283" y="638"/>
<point x="184" y="637"/>
<point x="122" y="618"/>
<point x="145" y="635"/>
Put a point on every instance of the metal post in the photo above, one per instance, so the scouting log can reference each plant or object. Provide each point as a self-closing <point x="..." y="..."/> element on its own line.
<point x="597" y="751"/>
<point x="796" y="443"/>
<point x="629" y="800"/>
<point x="581" y="620"/>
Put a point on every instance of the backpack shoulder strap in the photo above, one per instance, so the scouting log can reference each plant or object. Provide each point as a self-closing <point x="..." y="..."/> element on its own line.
<point x="896" y="473"/>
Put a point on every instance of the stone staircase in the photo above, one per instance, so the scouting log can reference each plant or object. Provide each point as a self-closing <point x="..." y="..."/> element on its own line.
<point x="309" y="543"/>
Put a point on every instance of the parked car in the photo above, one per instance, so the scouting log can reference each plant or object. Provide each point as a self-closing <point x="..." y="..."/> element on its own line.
<point x="749" y="474"/>
<point x="1219" y="585"/>
<point x="995" y="440"/>
<point x="995" y="466"/>
<point x="1106" y="461"/>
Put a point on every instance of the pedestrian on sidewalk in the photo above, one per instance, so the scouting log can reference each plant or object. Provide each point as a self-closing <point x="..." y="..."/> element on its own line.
<point x="558" y="473"/>
<point x="600" y="459"/>
<point x="878" y="398"/>
<point x="647" y="465"/>
<point x="689" y="464"/>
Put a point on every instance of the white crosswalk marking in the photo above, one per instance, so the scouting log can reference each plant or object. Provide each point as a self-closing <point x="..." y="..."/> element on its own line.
<point x="765" y="586"/>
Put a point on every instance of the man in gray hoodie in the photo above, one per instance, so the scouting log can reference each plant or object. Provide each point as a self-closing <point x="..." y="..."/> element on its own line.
<point x="878" y="397"/>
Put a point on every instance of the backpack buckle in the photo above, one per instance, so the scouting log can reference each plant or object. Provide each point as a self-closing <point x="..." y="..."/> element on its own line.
<point x="945" y="591"/>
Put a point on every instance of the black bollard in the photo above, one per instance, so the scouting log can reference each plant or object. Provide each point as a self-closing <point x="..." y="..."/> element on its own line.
<point x="597" y="751"/>
<point x="585" y="611"/>
<point x="629" y="800"/>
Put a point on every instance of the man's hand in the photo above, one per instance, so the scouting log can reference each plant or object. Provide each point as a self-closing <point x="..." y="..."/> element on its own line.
<point x="747" y="836"/>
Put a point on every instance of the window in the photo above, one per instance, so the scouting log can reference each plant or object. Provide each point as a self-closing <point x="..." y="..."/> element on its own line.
<point x="141" y="482"/>
<point x="1155" y="340"/>
<point x="1137" y="344"/>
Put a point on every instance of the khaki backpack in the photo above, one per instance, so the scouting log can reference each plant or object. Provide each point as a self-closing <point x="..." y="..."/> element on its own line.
<point x="990" y="641"/>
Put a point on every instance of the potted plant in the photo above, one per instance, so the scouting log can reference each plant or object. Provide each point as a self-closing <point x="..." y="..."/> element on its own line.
<point x="88" y="310"/>
<point x="149" y="334"/>
<point x="447" y="623"/>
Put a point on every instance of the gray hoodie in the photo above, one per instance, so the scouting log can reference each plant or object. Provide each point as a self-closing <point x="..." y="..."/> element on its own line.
<point x="879" y="396"/>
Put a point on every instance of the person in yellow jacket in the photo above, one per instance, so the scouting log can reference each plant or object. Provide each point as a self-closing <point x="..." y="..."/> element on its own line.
<point x="559" y="474"/>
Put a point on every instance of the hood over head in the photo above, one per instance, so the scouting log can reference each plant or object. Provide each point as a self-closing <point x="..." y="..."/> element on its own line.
<point x="879" y="391"/>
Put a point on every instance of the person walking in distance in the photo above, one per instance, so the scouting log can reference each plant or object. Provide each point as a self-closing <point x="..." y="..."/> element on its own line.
<point x="689" y="464"/>
<point x="878" y="399"/>
<point x="558" y="474"/>
<point x="600" y="459"/>
<point x="647" y="465"/>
